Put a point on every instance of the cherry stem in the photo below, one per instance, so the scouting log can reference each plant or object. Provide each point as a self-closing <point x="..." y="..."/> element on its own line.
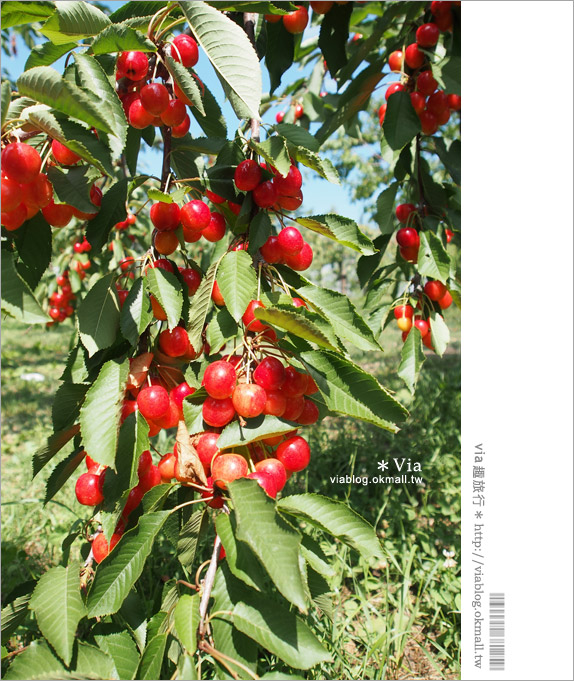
<point x="208" y="586"/>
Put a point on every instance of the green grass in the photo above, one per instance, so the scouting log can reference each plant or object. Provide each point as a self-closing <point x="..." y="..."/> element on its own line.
<point x="398" y="618"/>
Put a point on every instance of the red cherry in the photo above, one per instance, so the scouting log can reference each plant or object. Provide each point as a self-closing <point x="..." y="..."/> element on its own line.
<point x="228" y="467"/>
<point x="132" y="65"/>
<point x="404" y="311"/>
<point x="162" y="264"/>
<point x="57" y="214"/>
<point x="89" y="489"/>
<point x="294" y="408"/>
<point x="280" y="115"/>
<point x="382" y="113"/>
<point x="219" y="379"/>
<point x="429" y="122"/>
<point x="154" y="98"/>
<point x="192" y="278"/>
<point x="299" y="111"/>
<point x="453" y="102"/>
<point x="437" y="103"/>
<point x="407" y="237"/>
<point x="217" y="501"/>
<point x="449" y="235"/>
<point x="166" y="466"/>
<point x="394" y="87"/>
<point x="422" y="325"/>
<point x="294" y="454"/>
<point x="312" y="388"/>
<point x="14" y="219"/>
<point x="165" y="216"/>
<point x="235" y="208"/>
<point x="20" y="162"/>
<point x="133" y="501"/>
<point x="444" y="21"/>
<point x="195" y="215"/>
<point x="295" y="383"/>
<point x="100" y="548"/>
<point x="214" y="198"/>
<point x="445" y="301"/>
<point x="275" y="403"/>
<point x="435" y="290"/>
<point x="64" y="155"/>
<point x="427" y="35"/>
<point x="129" y="406"/>
<point x="320" y="8"/>
<point x="414" y="57"/>
<point x="249" y="399"/>
<point x="249" y="320"/>
<point x="216" y="295"/>
<point x="206" y="448"/>
<point x="290" y="241"/>
<point x="174" y="114"/>
<point x="218" y="413"/>
<point x="396" y="60"/>
<point x="418" y="101"/>
<point x="174" y="343"/>
<point x="264" y="481"/>
<point x="443" y="117"/>
<point x="182" y="129"/>
<point x="144" y="462"/>
<point x="289" y="185"/>
<point x="426" y="83"/>
<point x="269" y="374"/>
<point x="273" y="18"/>
<point x="153" y="401"/>
<point x="309" y="415"/>
<point x="150" y="478"/>
<point x="247" y="175"/>
<point x="265" y="194"/>
<point x="138" y="117"/>
<point x="271" y="250"/>
<point x="165" y="243"/>
<point x="438" y="8"/>
<point x="403" y="211"/>
<point x="180" y="392"/>
<point x="296" y="21"/>
<point x="274" y="470"/>
<point x="11" y="195"/>
<point x="215" y="230"/>
<point x="302" y="260"/>
<point x="185" y="51"/>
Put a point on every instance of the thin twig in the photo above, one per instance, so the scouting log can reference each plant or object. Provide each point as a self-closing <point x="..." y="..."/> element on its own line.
<point x="208" y="585"/>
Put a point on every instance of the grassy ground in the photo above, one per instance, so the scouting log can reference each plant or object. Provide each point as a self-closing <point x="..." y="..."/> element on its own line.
<point x="397" y="619"/>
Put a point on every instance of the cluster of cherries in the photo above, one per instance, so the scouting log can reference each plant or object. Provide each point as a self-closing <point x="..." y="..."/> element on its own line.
<point x="408" y="237"/>
<point x="295" y="22"/>
<point x="297" y="113"/>
<point x="278" y="193"/>
<point x="150" y="103"/>
<point x="432" y="106"/>
<point x="61" y="300"/>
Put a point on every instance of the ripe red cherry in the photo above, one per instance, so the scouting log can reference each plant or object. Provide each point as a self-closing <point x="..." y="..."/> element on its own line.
<point x="289" y="185"/>
<point x="215" y="230"/>
<point x="149" y="478"/>
<point x="295" y="383"/>
<point x="453" y="102"/>
<point x="249" y="320"/>
<point x="445" y="301"/>
<point x="273" y="18"/>
<point x="294" y="454"/>
<point x="269" y="374"/>
<point x="290" y="202"/>
<point x="410" y="254"/>
<point x="297" y="302"/>
<point x="449" y="235"/>
<point x="172" y="416"/>
<point x="174" y="343"/>
<point x="166" y="466"/>
<point x="180" y="392"/>
<point x="422" y="325"/>
<point x="185" y="51"/>
<point x="407" y="237"/>
<point x="418" y="101"/>
<point x="165" y="216"/>
<point x="216" y="501"/>
<point x="426" y="83"/>
<point x="437" y="103"/>
<point x="195" y="216"/>
<point x="299" y="111"/>
<point x="429" y="122"/>
<point x="174" y="114"/>
<point x="192" y="278"/>
<point x="100" y="548"/>
<point x="279" y="116"/>
<point x="276" y="403"/>
<point x="206" y="448"/>
<point x="438" y="8"/>
<point x="219" y="379"/>
<point x="404" y="311"/>
<point x="153" y="401"/>
<point x="296" y="21"/>
<point x="218" y="413"/>
<point x="309" y="415"/>
<point x="165" y="243"/>
<point x="394" y="87"/>
<point x="182" y="129"/>
<point x="403" y="211"/>
<point x="271" y="250"/>
<point x="214" y="198"/>
<point x="444" y="21"/>
<point x="302" y="260"/>
<point x="138" y="117"/>
<point x="427" y="35"/>
<point x="57" y="214"/>
<point x="443" y="117"/>
<point x="435" y="290"/>
<point x="21" y="162"/>
<point x="11" y="195"/>
<point x="89" y="489"/>
<point x="382" y="113"/>
<point x="14" y="219"/>
<point x="228" y="467"/>
<point x="216" y="295"/>
<point x="247" y="175"/>
<point x="396" y="60"/>
<point x="320" y="8"/>
<point x="132" y="65"/>
<point x="265" y="482"/>
<point x="145" y="462"/>
<point x="414" y="57"/>
<point x="162" y="264"/>
<point x="294" y="408"/>
<point x="154" y="98"/>
<point x="265" y="194"/>
<point x="290" y="241"/>
<point x="274" y="470"/>
<point x="64" y="155"/>
<point x="249" y="399"/>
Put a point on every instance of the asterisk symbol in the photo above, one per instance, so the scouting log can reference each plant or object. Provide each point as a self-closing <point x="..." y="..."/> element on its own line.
<point x="478" y="514"/>
<point x="383" y="465"/>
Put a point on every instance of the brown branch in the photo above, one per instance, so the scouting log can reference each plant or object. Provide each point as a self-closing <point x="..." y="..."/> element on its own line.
<point x="165" y="169"/>
<point x="208" y="586"/>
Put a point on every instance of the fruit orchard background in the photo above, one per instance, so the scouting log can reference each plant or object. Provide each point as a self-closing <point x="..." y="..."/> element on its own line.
<point x="377" y="616"/>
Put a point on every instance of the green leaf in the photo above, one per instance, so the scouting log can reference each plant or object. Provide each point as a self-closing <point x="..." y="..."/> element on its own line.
<point x="58" y="605"/>
<point x="92" y="663"/>
<point x="385" y="215"/>
<point x="46" y="85"/>
<point x="18" y="301"/>
<point x="274" y="151"/>
<point x="5" y="98"/>
<point x="61" y="474"/>
<point x="189" y="536"/>
<point x="238" y="282"/>
<point x="132" y="441"/>
<point x="314" y="555"/>
<point x="136" y="313"/>
<point x="186" y="619"/>
<point x="229" y="50"/>
<point x="275" y="543"/>
<point x="99" y="315"/>
<point x="259" y="231"/>
<point x="152" y="658"/>
<point x="450" y="158"/>
<point x="66" y="405"/>
<point x="37" y="662"/>
<point x="349" y="390"/>
<point x="322" y="166"/>
<point x="335" y="518"/>
<point x="15" y="613"/>
<point x="300" y="322"/>
<point x="401" y="122"/>
<point x="136" y="9"/>
<point x="213" y="123"/>
<point x="121" y="38"/>
<point x="334" y="35"/>
<point x="74" y="20"/>
<point x="46" y="54"/>
<point x="186" y="81"/>
<point x="279" y="53"/>
<point x="342" y="230"/>
<point x="241" y="560"/>
<point x="121" y="648"/>
<point x="53" y="445"/>
<point x="440" y="333"/>
<point x="221" y="329"/>
<point x="112" y="210"/>
<point x="100" y="413"/>
<point x="258" y="428"/>
<point x="34" y="243"/>
<point x="19" y="13"/>
<point x="412" y="359"/>
<point x="116" y="575"/>
<point x="297" y="136"/>
<point x="200" y="305"/>
<point x="434" y="261"/>
<point x="166" y="288"/>
<point x="341" y="313"/>
<point x="72" y="186"/>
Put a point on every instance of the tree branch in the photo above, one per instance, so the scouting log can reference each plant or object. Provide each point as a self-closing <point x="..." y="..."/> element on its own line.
<point x="208" y="586"/>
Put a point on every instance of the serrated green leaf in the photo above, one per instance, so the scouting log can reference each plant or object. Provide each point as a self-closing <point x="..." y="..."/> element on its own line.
<point x="61" y="474"/>
<point x="258" y="428"/>
<point x="18" y="301"/>
<point x="99" y="315"/>
<point x="280" y="51"/>
<point x="275" y="543"/>
<point x="240" y="558"/>
<point x="136" y="313"/>
<point x="238" y="282"/>
<point x="66" y="404"/>
<point x="433" y="261"/>
<point x="440" y="334"/>
<point x="412" y="359"/>
<point x="213" y="123"/>
<point x="300" y="322"/>
<point x="297" y="136"/>
<point x="186" y="620"/>
<point x="349" y="390"/>
<point x="121" y="648"/>
<point x="342" y="230"/>
<point x="112" y="210"/>
<point x="314" y="555"/>
<point x="47" y="53"/>
<point x="165" y="287"/>
<point x="19" y="13"/>
<point x="92" y="663"/>
<point x="189" y="536"/>
<point x="344" y="318"/>
<point x="72" y="186"/>
<point x="59" y="607"/>
<point x="229" y="50"/>
<point x="221" y="329"/>
<point x="34" y="243"/>
<point x="6" y="94"/>
<point x="187" y="83"/>
<point x="117" y="574"/>
<point x="385" y="215"/>
<point x="274" y="151"/>
<point x="322" y="166"/>
<point x="74" y="20"/>
<point x="200" y="305"/>
<point x="335" y="518"/>
<point x="259" y="231"/>
<point x="101" y="411"/>
<point x="53" y="445"/>
<point x="401" y="122"/>
<point x="152" y="658"/>
<point x="15" y="612"/>
<point x="37" y="663"/>
<point x="133" y="439"/>
<point x="121" y="37"/>
<point x="450" y="158"/>
<point x="334" y="36"/>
